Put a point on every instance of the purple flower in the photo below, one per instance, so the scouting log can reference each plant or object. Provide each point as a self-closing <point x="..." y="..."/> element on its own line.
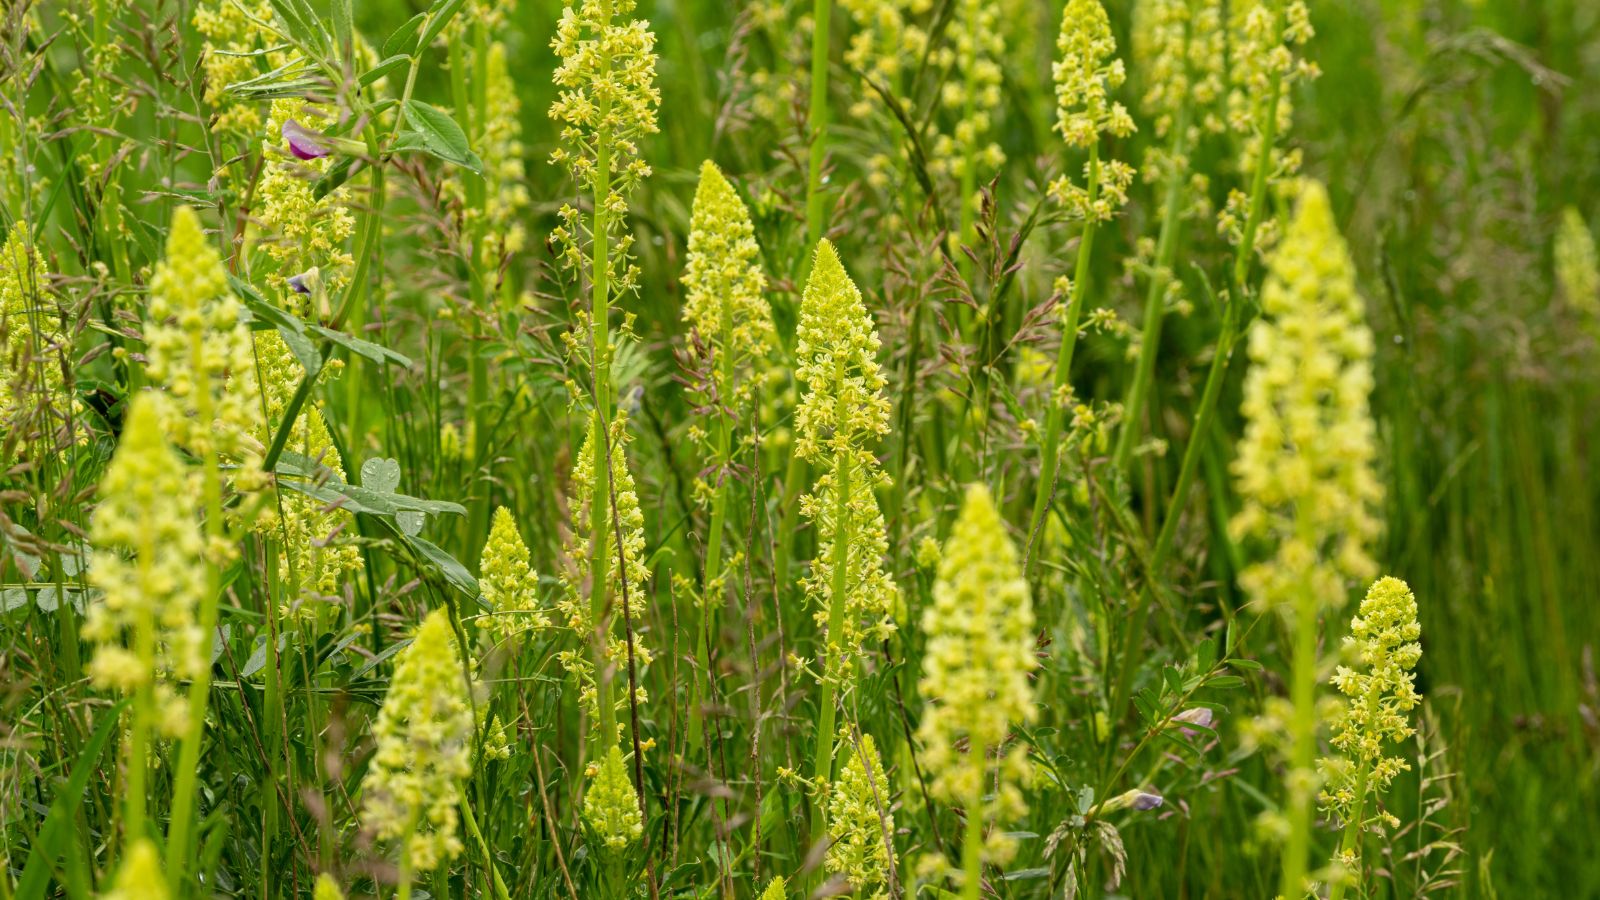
<point x="303" y="144"/>
<point x="1199" y="716"/>
<point x="1146" y="801"/>
<point x="305" y="281"/>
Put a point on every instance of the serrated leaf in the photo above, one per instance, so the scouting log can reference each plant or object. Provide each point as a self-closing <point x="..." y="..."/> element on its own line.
<point x="434" y="132"/>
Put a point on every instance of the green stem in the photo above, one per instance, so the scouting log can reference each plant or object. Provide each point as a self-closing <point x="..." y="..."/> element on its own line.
<point x="1055" y="418"/>
<point x="817" y="119"/>
<point x="471" y="821"/>
<point x="1155" y="301"/>
<point x="599" y="502"/>
<point x="972" y="850"/>
<point x="710" y="590"/>
<point x="1302" y="743"/>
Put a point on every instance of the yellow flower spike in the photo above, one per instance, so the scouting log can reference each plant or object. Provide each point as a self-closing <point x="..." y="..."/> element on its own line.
<point x="777" y="889"/>
<point x="574" y="605"/>
<point x="302" y="231"/>
<point x="508" y="582"/>
<point x="32" y="388"/>
<point x="611" y="807"/>
<point x="1577" y="264"/>
<point x="424" y="735"/>
<point x="327" y="888"/>
<point x="1305" y="461"/>
<point x="149" y="564"/>
<point x="975" y="668"/>
<point x="234" y="34"/>
<point x="197" y="345"/>
<point x="139" y="877"/>
<point x="1086" y="72"/>
<point x="724" y="283"/>
<point x="1379" y="698"/>
<point x="1180" y="47"/>
<point x="1264" y="36"/>
<point x="860" y="823"/>
<point x="841" y="411"/>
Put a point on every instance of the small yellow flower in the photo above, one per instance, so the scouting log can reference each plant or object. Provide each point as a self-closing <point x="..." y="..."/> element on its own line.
<point x="860" y="825"/>
<point x="1085" y="74"/>
<point x="424" y="736"/>
<point x="611" y="807"/>
<point x="327" y="888"/>
<point x="508" y="582"/>
<point x="1577" y="263"/>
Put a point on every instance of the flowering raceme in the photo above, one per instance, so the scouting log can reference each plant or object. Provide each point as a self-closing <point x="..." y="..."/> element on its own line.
<point x="508" y="582"/>
<point x="149" y="565"/>
<point x="860" y="824"/>
<point x="975" y="672"/>
<point x="841" y="411"/>
<point x="1085" y="73"/>
<point x="1180" y="47"/>
<point x="139" y="875"/>
<point x="32" y="384"/>
<point x="629" y="524"/>
<point x="424" y="736"/>
<point x="611" y="807"/>
<point x="1305" y="462"/>
<point x="1577" y="263"/>
<point x="199" y="350"/>
<point x="1379" y="699"/>
<point x="234" y="32"/>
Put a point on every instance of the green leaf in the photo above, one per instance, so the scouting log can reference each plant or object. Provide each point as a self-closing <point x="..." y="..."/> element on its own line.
<point x="291" y="329"/>
<point x="435" y="133"/>
<point x="442" y="12"/>
<point x="1245" y="665"/>
<point x="402" y="41"/>
<point x="371" y="76"/>
<point x="362" y="348"/>
<point x="1226" y="682"/>
<point x="343" y="24"/>
<point x="453" y="572"/>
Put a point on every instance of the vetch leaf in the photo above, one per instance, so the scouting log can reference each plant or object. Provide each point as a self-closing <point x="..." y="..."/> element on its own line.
<point x="434" y="132"/>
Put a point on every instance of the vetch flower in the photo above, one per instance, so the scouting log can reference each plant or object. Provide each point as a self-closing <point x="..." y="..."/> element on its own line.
<point x="424" y="736"/>
<point x="1136" y="799"/>
<point x="301" y="142"/>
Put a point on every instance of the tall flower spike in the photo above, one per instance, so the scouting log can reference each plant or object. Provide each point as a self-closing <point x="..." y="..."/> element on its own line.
<point x="574" y="605"/>
<point x="504" y="175"/>
<point x="725" y="307"/>
<point x="149" y="566"/>
<point x="139" y="876"/>
<point x="1577" y="264"/>
<point x="1380" y="697"/>
<point x="860" y="825"/>
<point x="777" y="889"/>
<point x="975" y="672"/>
<point x="31" y="383"/>
<point x="842" y="410"/>
<point x="611" y="807"/>
<point x="198" y="349"/>
<point x="234" y="37"/>
<point x="424" y="736"/>
<point x="1180" y="46"/>
<point x="1085" y="74"/>
<point x="327" y="888"/>
<point x="506" y="576"/>
<point x="1305" y="461"/>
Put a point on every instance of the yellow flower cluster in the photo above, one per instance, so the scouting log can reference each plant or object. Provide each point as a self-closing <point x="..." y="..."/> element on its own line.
<point x="424" y="737"/>
<point x="975" y="671"/>
<point x="198" y="349"/>
<point x="607" y="99"/>
<point x="234" y="35"/>
<point x="1263" y="35"/>
<point x="505" y="178"/>
<point x="610" y="806"/>
<point x="32" y="386"/>
<point x="1383" y="637"/>
<point x="301" y="231"/>
<point x="1180" y="46"/>
<point x="510" y="587"/>
<point x="777" y="889"/>
<point x="1577" y="264"/>
<point x="972" y="91"/>
<point x="1085" y="75"/>
<point x="724" y="306"/>
<point x="149" y="566"/>
<point x="327" y="888"/>
<point x="139" y="876"/>
<point x="887" y="43"/>
<point x="842" y="409"/>
<point x="1305" y="462"/>
<point x="628" y="523"/>
<point x="860" y="825"/>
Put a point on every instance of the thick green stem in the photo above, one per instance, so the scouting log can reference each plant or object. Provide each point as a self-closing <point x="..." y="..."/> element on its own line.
<point x="817" y="119"/>
<point x="1352" y="835"/>
<point x="1055" y="419"/>
<point x="1302" y="742"/>
<point x="599" y="501"/>
<point x="1155" y="302"/>
<point x="972" y="850"/>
